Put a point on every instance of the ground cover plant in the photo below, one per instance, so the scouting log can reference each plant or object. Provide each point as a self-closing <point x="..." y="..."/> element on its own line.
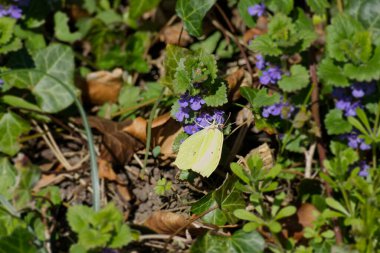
<point x="189" y="126"/>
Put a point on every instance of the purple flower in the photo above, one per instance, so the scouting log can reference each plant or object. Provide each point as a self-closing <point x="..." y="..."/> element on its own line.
<point x="196" y="103"/>
<point x="206" y="119"/>
<point x="11" y="11"/>
<point x="364" y="167"/>
<point x="109" y="250"/>
<point x="191" y="129"/>
<point x="359" y="90"/>
<point x="22" y="2"/>
<point x="256" y="10"/>
<point x="351" y="109"/>
<point x="182" y="114"/>
<point x="270" y="76"/>
<point x="279" y="109"/>
<point x="355" y="142"/>
<point x="260" y="62"/>
<point x="183" y="101"/>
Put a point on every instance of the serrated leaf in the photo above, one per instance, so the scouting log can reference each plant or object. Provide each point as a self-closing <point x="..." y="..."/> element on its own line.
<point x="264" y="45"/>
<point x="79" y="217"/>
<point x="210" y="62"/>
<point x="192" y="13"/>
<point x="298" y="79"/>
<point x="13" y="45"/>
<point x="62" y="30"/>
<point x="282" y="31"/>
<point x="243" y="11"/>
<point x="282" y="6"/>
<point x="218" y="96"/>
<point x="262" y="98"/>
<point x="335" y="124"/>
<point x="122" y="237"/>
<point x="305" y="30"/>
<point x="11" y="128"/>
<point x="182" y="78"/>
<point x="6" y="28"/>
<point x="91" y="238"/>
<point x="340" y="34"/>
<point x="366" y="71"/>
<point x="139" y="7"/>
<point x="366" y="11"/>
<point x="318" y="6"/>
<point x="171" y="62"/>
<point x="332" y="74"/>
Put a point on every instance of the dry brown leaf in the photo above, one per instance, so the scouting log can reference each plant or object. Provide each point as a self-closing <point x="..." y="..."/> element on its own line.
<point x="137" y="129"/>
<point x="265" y="153"/>
<point x="234" y="81"/>
<point x="163" y="222"/>
<point x="103" y="86"/>
<point x="123" y="192"/>
<point x="48" y="179"/>
<point x="118" y="146"/>
<point x="170" y="35"/>
<point x="106" y="171"/>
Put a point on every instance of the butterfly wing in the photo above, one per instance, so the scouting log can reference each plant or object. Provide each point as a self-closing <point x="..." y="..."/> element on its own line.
<point x="188" y="151"/>
<point x="209" y="153"/>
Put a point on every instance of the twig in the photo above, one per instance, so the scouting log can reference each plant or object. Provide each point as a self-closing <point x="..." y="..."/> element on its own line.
<point x="230" y="26"/>
<point x="309" y="154"/>
<point x="321" y="149"/>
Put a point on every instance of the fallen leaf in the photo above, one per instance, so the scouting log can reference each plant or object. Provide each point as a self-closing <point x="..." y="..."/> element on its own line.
<point x="48" y="179"/>
<point x="163" y="222"/>
<point x="103" y="86"/>
<point x="137" y="129"/>
<point x="234" y="81"/>
<point x="106" y="171"/>
<point x="265" y="153"/>
<point x="170" y="35"/>
<point x="118" y="146"/>
<point x="123" y="192"/>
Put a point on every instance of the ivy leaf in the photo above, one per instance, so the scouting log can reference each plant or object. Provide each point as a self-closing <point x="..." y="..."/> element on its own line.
<point x="332" y="74"/>
<point x="192" y="13"/>
<point x="206" y="203"/>
<point x="139" y="7"/>
<point x="318" y="6"/>
<point x="218" y="95"/>
<point x="20" y="241"/>
<point x="335" y="123"/>
<point x="7" y="177"/>
<point x="366" y="71"/>
<point x="239" y="242"/>
<point x="264" y="45"/>
<point x="298" y="79"/>
<point x="11" y="128"/>
<point x="243" y="12"/>
<point x="171" y="62"/>
<point x="62" y="30"/>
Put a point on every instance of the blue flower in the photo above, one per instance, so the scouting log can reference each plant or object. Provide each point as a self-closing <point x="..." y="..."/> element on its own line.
<point x="364" y="167"/>
<point x="260" y="62"/>
<point x="360" y="90"/>
<point x="270" y="76"/>
<point x="196" y="102"/>
<point x="282" y="109"/>
<point x="355" y="142"/>
<point x="11" y="11"/>
<point x="256" y="10"/>
<point x="191" y="128"/>
<point x="182" y="114"/>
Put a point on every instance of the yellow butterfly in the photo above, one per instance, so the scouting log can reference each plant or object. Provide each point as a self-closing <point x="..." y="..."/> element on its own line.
<point x="201" y="151"/>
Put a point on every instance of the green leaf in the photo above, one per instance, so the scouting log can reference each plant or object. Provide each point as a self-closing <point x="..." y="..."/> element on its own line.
<point x="109" y="17"/>
<point x="366" y="71"/>
<point x="206" y="203"/>
<point x="182" y="77"/>
<point x="262" y="98"/>
<point x="209" y="44"/>
<point x="274" y="226"/>
<point x="77" y="248"/>
<point x="337" y="206"/>
<point x="238" y="170"/>
<point x="318" y="6"/>
<point x="332" y="74"/>
<point x="13" y="45"/>
<point x="20" y="241"/>
<point x="265" y="45"/>
<point x="79" y="217"/>
<point x="335" y="123"/>
<point x="91" y="238"/>
<point x="19" y="102"/>
<point x="129" y="96"/>
<point x="245" y="215"/>
<point x="62" y="30"/>
<point x="355" y="123"/>
<point x="173" y="56"/>
<point x="12" y="127"/>
<point x="6" y="28"/>
<point x="282" y="6"/>
<point x="192" y="13"/>
<point x="139" y="7"/>
<point x="366" y="11"/>
<point x="298" y="79"/>
<point x="285" y="212"/>
<point x="242" y="7"/>
<point x="122" y="238"/>
<point x="239" y="242"/>
<point x="7" y="177"/>
<point x="340" y="35"/>
<point x="218" y="96"/>
<point x="33" y="41"/>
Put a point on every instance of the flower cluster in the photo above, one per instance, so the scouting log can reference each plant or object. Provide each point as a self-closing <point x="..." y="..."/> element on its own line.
<point x="270" y="74"/>
<point x="204" y="120"/>
<point x="190" y="107"/>
<point x="364" y="167"/>
<point x="347" y="98"/>
<point x="257" y="10"/>
<point x="355" y="142"/>
<point x="283" y="109"/>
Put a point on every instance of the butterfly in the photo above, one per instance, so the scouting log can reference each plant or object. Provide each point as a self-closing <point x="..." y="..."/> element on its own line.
<point x="201" y="151"/>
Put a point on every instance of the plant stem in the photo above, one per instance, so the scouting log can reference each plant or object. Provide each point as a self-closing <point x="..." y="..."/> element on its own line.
<point x="339" y="5"/>
<point x="90" y="142"/>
